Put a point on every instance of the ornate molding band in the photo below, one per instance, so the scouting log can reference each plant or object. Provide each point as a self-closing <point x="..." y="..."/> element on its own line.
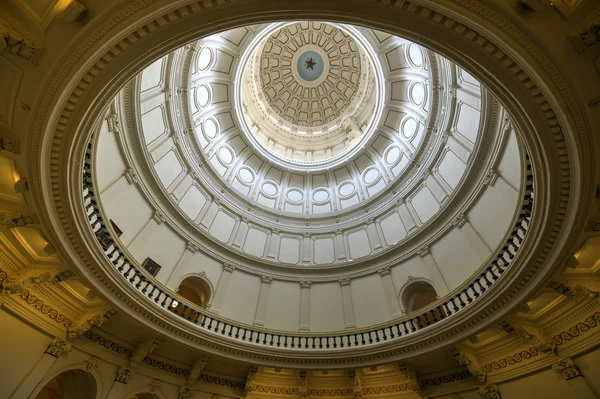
<point x="45" y="309"/>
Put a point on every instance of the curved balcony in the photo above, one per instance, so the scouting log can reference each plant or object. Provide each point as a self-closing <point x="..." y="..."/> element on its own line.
<point x="461" y="298"/>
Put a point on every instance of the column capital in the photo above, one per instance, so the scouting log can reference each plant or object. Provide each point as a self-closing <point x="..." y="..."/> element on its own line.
<point x="159" y="217"/>
<point x="491" y="177"/>
<point x="131" y="176"/>
<point x="228" y="267"/>
<point x="384" y="271"/>
<point x="124" y="375"/>
<point x="305" y="283"/>
<point x="344" y="281"/>
<point x="185" y="393"/>
<point x="490" y="391"/>
<point x="112" y="121"/>
<point x="192" y="247"/>
<point x="266" y="279"/>
<point x="567" y="368"/>
<point x="423" y="251"/>
<point x="460" y="220"/>
<point x="57" y="347"/>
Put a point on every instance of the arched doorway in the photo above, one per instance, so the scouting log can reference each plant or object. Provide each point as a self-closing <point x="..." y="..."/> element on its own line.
<point x="71" y="384"/>
<point x="417" y="295"/>
<point x="196" y="290"/>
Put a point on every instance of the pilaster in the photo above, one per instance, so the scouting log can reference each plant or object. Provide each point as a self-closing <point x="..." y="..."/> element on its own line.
<point x="263" y="300"/>
<point x="347" y="303"/>
<point x="433" y="271"/>
<point x="390" y="292"/>
<point x="222" y="286"/>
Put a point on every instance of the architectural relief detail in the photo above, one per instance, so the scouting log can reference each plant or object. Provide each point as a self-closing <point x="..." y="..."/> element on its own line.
<point x="423" y="251"/>
<point x="534" y="336"/>
<point x="185" y="393"/>
<point x="445" y="379"/>
<point x="14" y="219"/>
<point x="228" y="267"/>
<point x="197" y="368"/>
<point x="470" y="361"/>
<point x="340" y="49"/>
<point x="384" y="271"/>
<point x="112" y="122"/>
<point x="143" y="350"/>
<point x="45" y="309"/>
<point x="573" y="290"/>
<point x="10" y="144"/>
<point x="567" y="368"/>
<point x="90" y="319"/>
<point x="410" y="374"/>
<point x="266" y="279"/>
<point x="491" y="177"/>
<point x="155" y="386"/>
<point x="303" y="385"/>
<point x="305" y="283"/>
<point x="356" y="384"/>
<point x="490" y="391"/>
<point x="344" y="281"/>
<point x="159" y="217"/>
<point x="131" y="176"/>
<point x="57" y="347"/>
<point x="251" y="380"/>
<point x="459" y="221"/>
<point x="192" y="247"/>
<point x="16" y="42"/>
<point x="91" y="364"/>
<point x="587" y="34"/>
<point x="33" y="277"/>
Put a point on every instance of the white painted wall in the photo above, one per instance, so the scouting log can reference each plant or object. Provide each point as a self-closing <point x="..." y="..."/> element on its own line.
<point x="369" y="301"/>
<point x="326" y="310"/>
<point x="283" y="307"/>
<point x="242" y="297"/>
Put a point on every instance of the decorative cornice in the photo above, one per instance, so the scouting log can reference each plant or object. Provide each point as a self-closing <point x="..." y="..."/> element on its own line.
<point x="577" y="330"/>
<point x="457" y="376"/>
<point x="511" y="360"/>
<point x="45" y="309"/>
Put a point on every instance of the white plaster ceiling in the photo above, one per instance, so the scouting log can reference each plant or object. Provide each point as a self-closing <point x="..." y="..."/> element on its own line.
<point x="370" y="201"/>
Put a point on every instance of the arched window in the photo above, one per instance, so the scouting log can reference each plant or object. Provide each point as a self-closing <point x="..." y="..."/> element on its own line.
<point x="72" y="384"/>
<point x="418" y="295"/>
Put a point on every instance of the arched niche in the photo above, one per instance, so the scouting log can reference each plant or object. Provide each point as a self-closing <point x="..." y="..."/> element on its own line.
<point x="417" y="294"/>
<point x="70" y="384"/>
<point x="195" y="289"/>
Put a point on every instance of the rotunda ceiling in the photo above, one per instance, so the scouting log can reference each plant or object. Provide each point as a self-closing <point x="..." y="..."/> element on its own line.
<point x="238" y="173"/>
<point x="309" y="73"/>
<point x="309" y="92"/>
